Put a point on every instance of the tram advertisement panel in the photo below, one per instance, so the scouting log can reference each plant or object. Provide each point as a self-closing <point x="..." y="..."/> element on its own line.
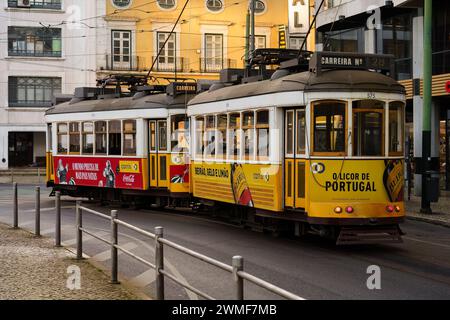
<point x="357" y="180"/>
<point x="99" y="172"/>
<point x="244" y="184"/>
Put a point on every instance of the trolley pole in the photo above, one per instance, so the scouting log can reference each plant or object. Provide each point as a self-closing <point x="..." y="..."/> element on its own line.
<point x="427" y="100"/>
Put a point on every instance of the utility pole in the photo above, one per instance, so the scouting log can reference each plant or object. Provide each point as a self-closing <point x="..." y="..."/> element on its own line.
<point x="252" y="27"/>
<point x="427" y="100"/>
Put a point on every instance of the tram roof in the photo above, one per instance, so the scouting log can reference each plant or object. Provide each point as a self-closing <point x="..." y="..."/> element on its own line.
<point x="157" y="101"/>
<point x="327" y="81"/>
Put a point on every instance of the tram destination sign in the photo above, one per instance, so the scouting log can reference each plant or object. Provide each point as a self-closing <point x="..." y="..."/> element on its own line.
<point x="342" y="60"/>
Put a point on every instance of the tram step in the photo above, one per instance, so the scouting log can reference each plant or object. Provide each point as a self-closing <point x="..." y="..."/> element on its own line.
<point x="369" y="235"/>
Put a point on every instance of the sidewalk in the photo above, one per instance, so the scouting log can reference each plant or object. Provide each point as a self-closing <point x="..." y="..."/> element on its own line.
<point x="441" y="210"/>
<point x="32" y="269"/>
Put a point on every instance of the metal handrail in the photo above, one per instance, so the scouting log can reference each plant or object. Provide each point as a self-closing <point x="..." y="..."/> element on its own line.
<point x="236" y="269"/>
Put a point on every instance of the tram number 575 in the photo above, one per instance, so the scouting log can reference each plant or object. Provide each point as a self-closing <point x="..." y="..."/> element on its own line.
<point x="371" y="95"/>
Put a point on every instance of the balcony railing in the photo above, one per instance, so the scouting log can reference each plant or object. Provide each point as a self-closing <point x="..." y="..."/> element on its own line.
<point x="37" y="4"/>
<point x="33" y="53"/>
<point x="215" y="65"/>
<point x="125" y="63"/>
<point x="176" y="64"/>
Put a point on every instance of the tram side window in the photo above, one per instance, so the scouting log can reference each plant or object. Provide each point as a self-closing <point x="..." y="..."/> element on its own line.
<point x="248" y="126"/>
<point x="199" y="136"/>
<point x="222" y="120"/>
<point x="152" y="135"/>
<point x="100" y="137"/>
<point x="179" y="138"/>
<point x="74" y="137"/>
<point x="396" y="120"/>
<point x="234" y="139"/>
<point x="63" y="139"/>
<point x="210" y="146"/>
<point x="368" y="124"/>
<point x="129" y="137"/>
<point x="115" y="138"/>
<point x="329" y="127"/>
<point x="87" y="138"/>
<point x="262" y="134"/>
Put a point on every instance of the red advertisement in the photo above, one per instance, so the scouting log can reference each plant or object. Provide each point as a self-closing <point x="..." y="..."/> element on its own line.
<point x="120" y="173"/>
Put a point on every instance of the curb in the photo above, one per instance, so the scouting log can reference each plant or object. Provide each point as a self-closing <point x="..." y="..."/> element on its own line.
<point x="431" y="221"/>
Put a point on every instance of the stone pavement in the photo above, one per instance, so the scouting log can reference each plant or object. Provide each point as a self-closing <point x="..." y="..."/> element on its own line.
<point x="32" y="269"/>
<point x="441" y="210"/>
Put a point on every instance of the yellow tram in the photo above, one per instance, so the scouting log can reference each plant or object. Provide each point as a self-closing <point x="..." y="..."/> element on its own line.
<point x="321" y="148"/>
<point x="315" y="146"/>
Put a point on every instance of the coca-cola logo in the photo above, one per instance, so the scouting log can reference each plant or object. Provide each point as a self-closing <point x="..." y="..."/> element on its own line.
<point x="128" y="178"/>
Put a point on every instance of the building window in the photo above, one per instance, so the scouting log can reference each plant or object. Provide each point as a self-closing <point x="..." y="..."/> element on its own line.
<point x="101" y="141"/>
<point x="262" y="134"/>
<point x="296" y="43"/>
<point x="260" y="42"/>
<point x="34" y="42"/>
<point x="368" y="128"/>
<point x="396" y="132"/>
<point x="179" y="133"/>
<point x="166" y="59"/>
<point x="441" y="38"/>
<point x="32" y="92"/>
<point x="397" y="40"/>
<point x="350" y="40"/>
<point x="214" y="5"/>
<point x="87" y="138"/>
<point x="114" y="138"/>
<point x="63" y="138"/>
<point x="41" y="4"/>
<point x="74" y="137"/>
<point x="129" y="137"/>
<point x="234" y="131"/>
<point x="167" y="4"/>
<point x="329" y="127"/>
<point x="121" y="50"/>
<point x="213" y="60"/>
<point x="121" y="3"/>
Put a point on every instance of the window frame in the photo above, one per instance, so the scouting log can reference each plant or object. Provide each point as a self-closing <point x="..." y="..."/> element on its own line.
<point x="58" y="134"/>
<point x="238" y="131"/>
<point x="84" y="134"/>
<point x="96" y="132"/>
<point x="132" y="132"/>
<point x="402" y="130"/>
<point x="23" y="33"/>
<point x="222" y="7"/>
<point x="173" y="7"/>
<point x="262" y="126"/>
<point x="121" y="7"/>
<point x="383" y="128"/>
<point x="313" y="105"/>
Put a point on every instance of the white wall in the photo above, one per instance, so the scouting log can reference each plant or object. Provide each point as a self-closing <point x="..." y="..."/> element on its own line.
<point x="76" y="67"/>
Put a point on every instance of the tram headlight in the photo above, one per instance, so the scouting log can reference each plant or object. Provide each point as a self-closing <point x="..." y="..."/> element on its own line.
<point x="349" y="209"/>
<point x="338" y="210"/>
<point x="397" y="209"/>
<point x="390" y="209"/>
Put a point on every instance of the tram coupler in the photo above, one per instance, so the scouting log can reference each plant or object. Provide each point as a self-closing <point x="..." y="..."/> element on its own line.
<point x="369" y="235"/>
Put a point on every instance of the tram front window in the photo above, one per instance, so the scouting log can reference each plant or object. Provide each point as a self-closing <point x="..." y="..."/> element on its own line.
<point x="368" y="132"/>
<point x="329" y="127"/>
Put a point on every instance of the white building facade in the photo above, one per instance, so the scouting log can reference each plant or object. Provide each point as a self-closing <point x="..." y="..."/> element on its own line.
<point x="47" y="47"/>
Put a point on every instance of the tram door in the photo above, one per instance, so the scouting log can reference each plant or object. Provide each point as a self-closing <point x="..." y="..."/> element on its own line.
<point x="158" y="153"/>
<point x="295" y="161"/>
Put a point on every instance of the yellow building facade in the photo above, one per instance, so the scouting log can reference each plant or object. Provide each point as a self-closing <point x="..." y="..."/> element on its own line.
<point x="210" y="36"/>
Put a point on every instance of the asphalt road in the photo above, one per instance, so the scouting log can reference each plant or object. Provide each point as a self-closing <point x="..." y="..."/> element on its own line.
<point x="313" y="268"/>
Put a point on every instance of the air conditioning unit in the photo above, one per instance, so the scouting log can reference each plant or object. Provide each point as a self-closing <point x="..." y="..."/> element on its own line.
<point x="23" y="3"/>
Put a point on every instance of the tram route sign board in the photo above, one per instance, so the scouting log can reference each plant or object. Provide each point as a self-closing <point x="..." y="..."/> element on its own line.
<point x="342" y="60"/>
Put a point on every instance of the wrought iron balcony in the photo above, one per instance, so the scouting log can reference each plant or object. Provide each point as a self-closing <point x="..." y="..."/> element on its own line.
<point x="167" y="64"/>
<point x="215" y="65"/>
<point x="125" y="63"/>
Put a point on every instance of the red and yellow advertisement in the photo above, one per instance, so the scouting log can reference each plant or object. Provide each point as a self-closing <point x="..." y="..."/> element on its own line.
<point x="248" y="185"/>
<point x="99" y="172"/>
